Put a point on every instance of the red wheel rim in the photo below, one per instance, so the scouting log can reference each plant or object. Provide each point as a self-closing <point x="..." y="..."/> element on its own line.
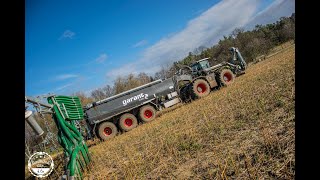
<point x="107" y="131"/>
<point x="201" y="88"/>
<point x="147" y="114"/>
<point x="227" y="77"/>
<point x="128" y="122"/>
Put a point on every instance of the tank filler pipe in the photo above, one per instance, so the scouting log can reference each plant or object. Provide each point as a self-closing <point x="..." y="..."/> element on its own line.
<point x="33" y="123"/>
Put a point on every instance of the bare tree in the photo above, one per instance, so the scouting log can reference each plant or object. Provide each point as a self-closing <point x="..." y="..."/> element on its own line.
<point x="108" y="91"/>
<point x="143" y="78"/>
<point x="119" y="85"/>
<point x="165" y="72"/>
<point x="83" y="98"/>
<point x="98" y="94"/>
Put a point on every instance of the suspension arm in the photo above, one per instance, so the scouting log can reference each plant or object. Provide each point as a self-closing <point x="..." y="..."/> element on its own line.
<point x="35" y="101"/>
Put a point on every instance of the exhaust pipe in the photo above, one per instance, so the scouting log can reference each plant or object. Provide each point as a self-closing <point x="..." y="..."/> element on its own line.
<point x="33" y="123"/>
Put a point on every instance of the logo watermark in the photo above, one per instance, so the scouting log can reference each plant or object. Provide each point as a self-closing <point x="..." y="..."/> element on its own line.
<point x="40" y="164"/>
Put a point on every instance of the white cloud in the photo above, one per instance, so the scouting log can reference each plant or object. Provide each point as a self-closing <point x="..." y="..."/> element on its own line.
<point x="124" y="70"/>
<point x="88" y="92"/>
<point x="63" y="87"/>
<point x="279" y="8"/>
<point x="74" y="86"/>
<point x="204" y="30"/>
<point x="65" y="76"/>
<point x="102" y="58"/>
<point x="67" y="34"/>
<point x="140" y="43"/>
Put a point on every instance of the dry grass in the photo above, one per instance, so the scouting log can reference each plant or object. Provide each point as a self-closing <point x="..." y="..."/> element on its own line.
<point x="243" y="131"/>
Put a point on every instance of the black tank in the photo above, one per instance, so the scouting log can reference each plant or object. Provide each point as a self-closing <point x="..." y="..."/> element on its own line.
<point x="117" y="104"/>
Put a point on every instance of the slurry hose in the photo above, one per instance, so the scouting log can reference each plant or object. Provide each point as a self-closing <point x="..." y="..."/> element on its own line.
<point x="67" y="110"/>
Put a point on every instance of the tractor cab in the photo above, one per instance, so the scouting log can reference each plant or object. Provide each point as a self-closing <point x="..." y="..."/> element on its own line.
<point x="199" y="67"/>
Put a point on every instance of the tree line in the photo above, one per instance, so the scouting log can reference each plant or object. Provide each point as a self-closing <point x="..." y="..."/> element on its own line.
<point x="251" y="43"/>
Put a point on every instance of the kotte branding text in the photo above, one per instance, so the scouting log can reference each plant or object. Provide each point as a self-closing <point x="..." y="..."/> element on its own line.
<point x="134" y="98"/>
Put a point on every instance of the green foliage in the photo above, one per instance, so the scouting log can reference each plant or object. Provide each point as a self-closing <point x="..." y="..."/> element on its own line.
<point x="251" y="43"/>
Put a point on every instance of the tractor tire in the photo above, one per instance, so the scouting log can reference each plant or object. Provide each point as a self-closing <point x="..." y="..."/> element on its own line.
<point x="226" y="77"/>
<point x="107" y="130"/>
<point x="127" y="122"/>
<point x="147" y="113"/>
<point x="200" y="88"/>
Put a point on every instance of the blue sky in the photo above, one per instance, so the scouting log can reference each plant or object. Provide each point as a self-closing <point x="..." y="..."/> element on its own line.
<point x="81" y="45"/>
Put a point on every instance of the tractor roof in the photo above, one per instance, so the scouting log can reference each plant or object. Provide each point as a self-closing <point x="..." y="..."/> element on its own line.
<point x="199" y="61"/>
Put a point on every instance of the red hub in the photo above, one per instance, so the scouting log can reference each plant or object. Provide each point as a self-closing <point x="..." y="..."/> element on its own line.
<point x="227" y="77"/>
<point x="201" y="88"/>
<point x="128" y="122"/>
<point x="107" y="131"/>
<point x="147" y="114"/>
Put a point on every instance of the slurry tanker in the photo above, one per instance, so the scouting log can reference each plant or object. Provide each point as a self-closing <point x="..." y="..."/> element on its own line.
<point x="126" y="110"/>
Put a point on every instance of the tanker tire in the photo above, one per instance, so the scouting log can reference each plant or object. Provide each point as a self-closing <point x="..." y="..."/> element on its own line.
<point x="200" y="88"/>
<point x="226" y="77"/>
<point x="147" y="113"/>
<point x="107" y="130"/>
<point x="127" y="122"/>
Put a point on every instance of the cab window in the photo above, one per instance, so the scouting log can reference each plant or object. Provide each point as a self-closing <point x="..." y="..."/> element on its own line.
<point x="204" y="64"/>
<point x="195" y="67"/>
